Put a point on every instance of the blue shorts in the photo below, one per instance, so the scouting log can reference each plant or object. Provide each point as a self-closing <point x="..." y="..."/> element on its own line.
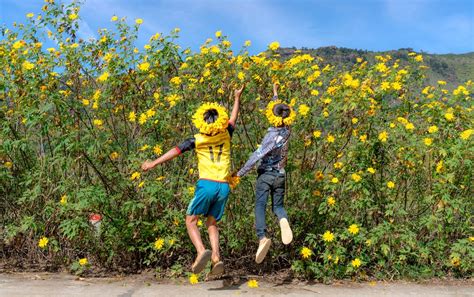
<point x="209" y="199"/>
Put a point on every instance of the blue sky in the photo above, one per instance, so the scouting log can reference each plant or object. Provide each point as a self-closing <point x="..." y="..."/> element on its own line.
<point x="434" y="26"/>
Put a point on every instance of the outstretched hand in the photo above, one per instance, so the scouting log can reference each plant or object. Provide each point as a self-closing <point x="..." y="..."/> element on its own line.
<point x="238" y="92"/>
<point x="147" y="165"/>
<point x="276" y="85"/>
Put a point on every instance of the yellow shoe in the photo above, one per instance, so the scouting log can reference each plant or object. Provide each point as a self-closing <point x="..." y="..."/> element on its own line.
<point x="263" y="248"/>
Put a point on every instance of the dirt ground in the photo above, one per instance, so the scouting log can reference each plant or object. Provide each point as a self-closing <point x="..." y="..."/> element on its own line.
<point x="61" y="284"/>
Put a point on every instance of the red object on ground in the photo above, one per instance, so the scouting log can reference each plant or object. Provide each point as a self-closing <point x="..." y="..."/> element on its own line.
<point x="95" y="217"/>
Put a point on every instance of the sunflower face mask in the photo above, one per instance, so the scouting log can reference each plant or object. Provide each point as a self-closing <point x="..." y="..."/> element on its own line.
<point x="280" y="120"/>
<point x="211" y="118"/>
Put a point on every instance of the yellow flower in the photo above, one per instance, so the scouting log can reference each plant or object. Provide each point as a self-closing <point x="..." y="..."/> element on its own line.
<point x="334" y="180"/>
<point x="274" y="45"/>
<point x="331" y="201"/>
<point x="142" y="119"/>
<point x="157" y="150"/>
<point x="114" y="18"/>
<point x="135" y="175"/>
<point x="449" y="116"/>
<point x="428" y="141"/>
<point x="114" y="155"/>
<point x="252" y="284"/>
<point x="356" y="177"/>
<point x="132" y="117"/>
<point x="338" y="165"/>
<point x="158" y="245"/>
<point x="371" y="170"/>
<point x="30" y="15"/>
<point x="303" y="109"/>
<point x="368" y="242"/>
<point x="144" y="148"/>
<point x="409" y="126"/>
<point x="455" y="261"/>
<point x="218" y="126"/>
<point x="98" y="122"/>
<point x="103" y="77"/>
<point x="439" y="166"/>
<point x="43" y="242"/>
<point x="390" y="184"/>
<point x="354" y="120"/>
<point x="27" y="65"/>
<point x="175" y="80"/>
<point x="218" y="34"/>
<point x="305" y="253"/>
<point x="72" y="16"/>
<point x="419" y="58"/>
<point x="317" y="134"/>
<point x="383" y="136"/>
<point x="63" y="200"/>
<point x="191" y="191"/>
<point x="138" y="21"/>
<point x="356" y="263"/>
<point x="328" y="236"/>
<point x="466" y="134"/>
<point x="83" y="261"/>
<point x="330" y="138"/>
<point x="193" y="279"/>
<point x="353" y="229"/>
<point x="85" y="102"/>
<point x="144" y="66"/>
<point x="247" y="43"/>
<point x="8" y="164"/>
<point x="363" y="138"/>
<point x="433" y="129"/>
<point x="199" y="223"/>
<point x="241" y="76"/>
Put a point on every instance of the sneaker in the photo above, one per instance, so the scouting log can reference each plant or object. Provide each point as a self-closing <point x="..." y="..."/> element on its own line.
<point x="286" y="233"/>
<point x="263" y="248"/>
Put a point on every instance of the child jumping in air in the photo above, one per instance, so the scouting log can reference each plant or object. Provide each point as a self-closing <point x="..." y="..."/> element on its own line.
<point x="271" y="172"/>
<point x="212" y="147"/>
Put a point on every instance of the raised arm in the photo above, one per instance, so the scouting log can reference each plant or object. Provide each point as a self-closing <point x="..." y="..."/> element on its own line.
<point x="275" y="90"/>
<point x="169" y="155"/>
<point x="235" y="109"/>
<point x="187" y="145"/>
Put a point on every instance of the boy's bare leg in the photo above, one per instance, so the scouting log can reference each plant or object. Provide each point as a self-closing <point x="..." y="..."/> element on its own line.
<point x="213" y="238"/>
<point x="194" y="234"/>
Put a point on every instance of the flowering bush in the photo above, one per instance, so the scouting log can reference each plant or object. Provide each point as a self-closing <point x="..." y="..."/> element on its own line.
<point x="380" y="168"/>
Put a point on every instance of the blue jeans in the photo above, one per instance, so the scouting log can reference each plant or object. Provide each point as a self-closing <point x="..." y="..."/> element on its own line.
<point x="269" y="183"/>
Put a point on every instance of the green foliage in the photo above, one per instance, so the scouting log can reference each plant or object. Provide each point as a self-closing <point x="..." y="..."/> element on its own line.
<point x="365" y="164"/>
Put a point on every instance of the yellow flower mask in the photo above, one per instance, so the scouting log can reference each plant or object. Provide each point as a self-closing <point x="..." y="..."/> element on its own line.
<point x="277" y="120"/>
<point x="211" y="128"/>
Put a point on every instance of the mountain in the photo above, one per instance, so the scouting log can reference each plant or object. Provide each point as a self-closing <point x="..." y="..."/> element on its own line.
<point x="455" y="69"/>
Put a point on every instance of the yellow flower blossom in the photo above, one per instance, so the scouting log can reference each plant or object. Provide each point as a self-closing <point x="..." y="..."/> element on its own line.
<point x="331" y="201"/>
<point x="428" y="141"/>
<point x="132" y="117"/>
<point x="27" y="65"/>
<point x="390" y="184"/>
<point x="383" y="136"/>
<point x="449" y="116"/>
<point x="439" y="166"/>
<point x="136" y="175"/>
<point x="356" y="263"/>
<point x="303" y="109"/>
<point x="63" y="200"/>
<point x="371" y="170"/>
<point x="353" y="229"/>
<point x="328" y="236"/>
<point x="43" y="242"/>
<point x="114" y="18"/>
<point x="317" y="133"/>
<point x="114" y="155"/>
<point x="330" y="138"/>
<point x="193" y="279"/>
<point x="103" y="77"/>
<point x="252" y="284"/>
<point x="274" y="45"/>
<point x="83" y="261"/>
<point x="305" y="253"/>
<point x="98" y="122"/>
<point x="466" y="134"/>
<point x="138" y="21"/>
<point x="158" y="245"/>
<point x="433" y="129"/>
<point x="334" y="180"/>
<point x="356" y="177"/>
<point x="144" y="66"/>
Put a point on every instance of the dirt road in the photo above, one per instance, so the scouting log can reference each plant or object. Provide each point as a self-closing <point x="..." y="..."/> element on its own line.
<point x="58" y="284"/>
